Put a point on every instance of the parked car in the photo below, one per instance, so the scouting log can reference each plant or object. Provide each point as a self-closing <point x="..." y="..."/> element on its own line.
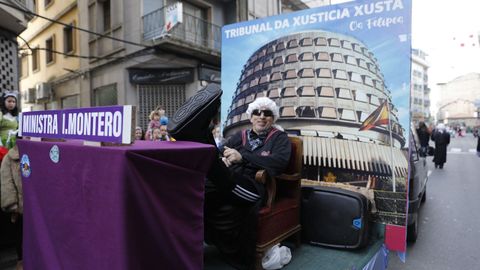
<point x="417" y="186"/>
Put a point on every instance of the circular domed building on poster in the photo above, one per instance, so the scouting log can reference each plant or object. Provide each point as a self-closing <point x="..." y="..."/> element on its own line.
<point x="326" y="84"/>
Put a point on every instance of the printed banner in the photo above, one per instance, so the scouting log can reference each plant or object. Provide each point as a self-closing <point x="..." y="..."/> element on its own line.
<point x="341" y="77"/>
<point x="100" y="124"/>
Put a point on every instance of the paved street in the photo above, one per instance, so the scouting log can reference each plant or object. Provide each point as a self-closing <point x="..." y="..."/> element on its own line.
<point x="449" y="231"/>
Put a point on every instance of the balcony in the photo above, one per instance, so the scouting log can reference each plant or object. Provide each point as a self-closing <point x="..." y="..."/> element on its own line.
<point x="194" y="36"/>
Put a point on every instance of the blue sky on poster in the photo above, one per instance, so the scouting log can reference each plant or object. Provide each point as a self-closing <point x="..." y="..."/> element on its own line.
<point x="389" y="44"/>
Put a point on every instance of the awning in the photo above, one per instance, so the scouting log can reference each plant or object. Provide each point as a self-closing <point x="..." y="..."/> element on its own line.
<point x="355" y="155"/>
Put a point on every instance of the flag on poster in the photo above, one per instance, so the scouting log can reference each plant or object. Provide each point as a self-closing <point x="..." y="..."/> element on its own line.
<point x="377" y="117"/>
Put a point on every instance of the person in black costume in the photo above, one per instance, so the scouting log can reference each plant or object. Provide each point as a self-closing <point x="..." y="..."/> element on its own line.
<point x="424" y="137"/>
<point x="478" y="146"/>
<point x="232" y="196"/>
<point x="441" y="138"/>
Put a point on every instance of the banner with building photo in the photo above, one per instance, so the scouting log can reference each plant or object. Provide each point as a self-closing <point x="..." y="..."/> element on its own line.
<point x="341" y="77"/>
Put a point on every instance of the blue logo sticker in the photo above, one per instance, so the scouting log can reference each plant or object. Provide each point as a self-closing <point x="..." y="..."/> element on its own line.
<point x="357" y="223"/>
<point x="55" y="154"/>
<point x="25" y="166"/>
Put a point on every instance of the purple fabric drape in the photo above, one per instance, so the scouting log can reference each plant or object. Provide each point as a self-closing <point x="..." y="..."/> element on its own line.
<point x="124" y="207"/>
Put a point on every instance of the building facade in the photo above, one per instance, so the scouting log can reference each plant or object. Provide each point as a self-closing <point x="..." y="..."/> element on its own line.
<point x="128" y="56"/>
<point x="419" y="90"/>
<point x="459" y="101"/>
<point x="48" y="77"/>
<point x="13" y="21"/>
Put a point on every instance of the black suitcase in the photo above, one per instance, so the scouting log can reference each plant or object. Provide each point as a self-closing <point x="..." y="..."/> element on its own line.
<point x="334" y="217"/>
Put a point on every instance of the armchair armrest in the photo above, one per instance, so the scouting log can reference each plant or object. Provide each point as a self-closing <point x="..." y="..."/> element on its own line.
<point x="270" y="186"/>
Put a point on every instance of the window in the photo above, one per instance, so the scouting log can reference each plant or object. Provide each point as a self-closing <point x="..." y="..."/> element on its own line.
<point x="340" y="74"/>
<point x="333" y="42"/>
<point x="289" y="92"/>
<point x="362" y="63"/>
<point x="105" y="95"/>
<point x="277" y="61"/>
<point x="70" y="102"/>
<point x="107" y="16"/>
<point x="280" y="46"/>
<point x="356" y="47"/>
<point x="343" y="93"/>
<point x="49" y="48"/>
<point x="273" y="93"/>
<point x="355" y="77"/>
<point x="290" y="74"/>
<point x="325" y="91"/>
<point x="367" y="80"/>
<point x="292" y="44"/>
<point x="291" y="58"/>
<point x="324" y="73"/>
<point x="307" y="73"/>
<point x="323" y="56"/>
<point x="249" y="98"/>
<point x="346" y="45"/>
<point x="68" y="41"/>
<point x="264" y="79"/>
<point x="23" y="66"/>
<point x="307" y="56"/>
<point x="307" y="91"/>
<point x="306" y="111"/>
<point x="267" y="64"/>
<point x="47" y="3"/>
<point x="350" y="60"/>
<point x="270" y="50"/>
<point x="321" y="41"/>
<point x="361" y="96"/>
<point x="306" y="42"/>
<point x="336" y="57"/>
<point x="348" y="115"/>
<point x="35" y="59"/>
<point x="327" y="112"/>
<point x="276" y="76"/>
<point x="287" y="112"/>
<point x="254" y="82"/>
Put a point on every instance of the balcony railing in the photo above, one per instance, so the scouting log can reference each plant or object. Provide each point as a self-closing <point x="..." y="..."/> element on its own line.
<point x="193" y="30"/>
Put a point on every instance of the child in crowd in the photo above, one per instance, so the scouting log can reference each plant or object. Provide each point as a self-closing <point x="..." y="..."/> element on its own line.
<point x="153" y="124"/>
<point x="139" y="133"/>
<point x="160" y="134"/>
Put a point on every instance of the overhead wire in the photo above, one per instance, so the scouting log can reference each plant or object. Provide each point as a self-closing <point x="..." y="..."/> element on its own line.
<point x="68" y="54"/>
<point x="74" y="27"/>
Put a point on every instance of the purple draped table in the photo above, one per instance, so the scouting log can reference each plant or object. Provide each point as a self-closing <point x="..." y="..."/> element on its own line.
<point x="124" y="207"/>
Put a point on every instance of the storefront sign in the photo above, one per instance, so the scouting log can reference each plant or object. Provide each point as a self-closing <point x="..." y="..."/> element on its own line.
<point x="160" y="76"/>
<point x="100" y="124"/>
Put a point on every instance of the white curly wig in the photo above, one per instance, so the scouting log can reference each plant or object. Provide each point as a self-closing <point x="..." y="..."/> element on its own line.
<point x="263" y="103"/>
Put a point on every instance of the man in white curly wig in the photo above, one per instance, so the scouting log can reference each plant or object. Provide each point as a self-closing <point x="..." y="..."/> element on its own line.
<point x="232" y="196"/>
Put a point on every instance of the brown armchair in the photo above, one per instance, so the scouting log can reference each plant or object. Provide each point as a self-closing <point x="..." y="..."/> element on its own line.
<point x="279" y="219"/>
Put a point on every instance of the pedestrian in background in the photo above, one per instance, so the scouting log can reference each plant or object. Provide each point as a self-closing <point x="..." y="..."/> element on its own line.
<point x="478" y="146"/>
<point x="424" y="137"/>
<point x="441" y="139"/>
<point x="12" y="197"/>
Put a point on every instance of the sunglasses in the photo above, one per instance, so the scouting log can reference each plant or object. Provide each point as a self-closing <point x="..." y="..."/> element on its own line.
<point x="266" y="113"/>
